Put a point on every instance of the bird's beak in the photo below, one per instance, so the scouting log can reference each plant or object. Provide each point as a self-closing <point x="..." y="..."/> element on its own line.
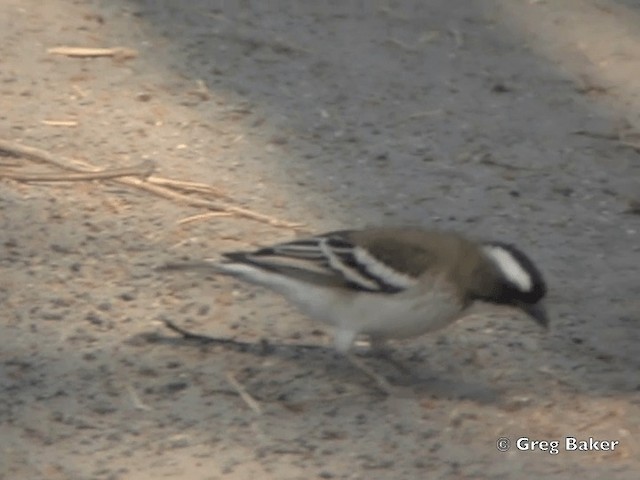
<point x="538" y="312"/>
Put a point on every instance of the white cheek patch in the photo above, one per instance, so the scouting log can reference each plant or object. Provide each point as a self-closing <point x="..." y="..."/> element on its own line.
<point x="510" y="267"/>
<point x="386" y="274"/>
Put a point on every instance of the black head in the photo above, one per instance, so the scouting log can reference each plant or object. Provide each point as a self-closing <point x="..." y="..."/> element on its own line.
<point x="521" y="283"/>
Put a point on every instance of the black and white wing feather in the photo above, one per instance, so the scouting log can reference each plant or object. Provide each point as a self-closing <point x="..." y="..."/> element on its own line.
<point x="330" y="259"/>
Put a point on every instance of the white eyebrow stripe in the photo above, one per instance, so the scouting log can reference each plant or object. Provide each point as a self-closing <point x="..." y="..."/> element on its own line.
<point x="386" y="274"/>
<point x="510" y="267"/>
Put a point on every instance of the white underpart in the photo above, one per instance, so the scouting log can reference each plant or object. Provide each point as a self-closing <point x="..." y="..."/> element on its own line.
<point x="385" y="273"/>
<point x="382" y="316"/>
<point x="349" y="273"/>
<point x="510" y="267"/>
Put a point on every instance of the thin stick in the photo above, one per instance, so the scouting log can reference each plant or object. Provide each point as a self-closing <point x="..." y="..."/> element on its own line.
<point x="43" y="156"/>
<point x="488" y="161"/>
<point x="383" y="385"/>
<point x="208" y="339"/>
<point x="243" y="346"/>
<point x="60" y="123"/>
<point x="403" y="46"/>
<point x="246" y="213"/>
<point x="203" y="203"/>
<point x="35" y="154"/>
<point x="251" y="402"/>
<point x="142" y="170"/>
<point x="621" y="138"/>
<point x="187" y="186"/>
<point x="84" y="52"/>
<point x="604" y="136"/>
<point x="187" y="335"/>
<point x="419" y="115"/>
<point x="139" y="404"/>
<point x="203" y="216"/>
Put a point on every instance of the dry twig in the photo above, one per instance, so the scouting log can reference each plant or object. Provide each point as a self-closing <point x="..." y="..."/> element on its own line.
<point x="187" y="335"/>
<point x="203" y="203"/>
<point x="203" y="216"/>
<point x="188" y="186"/>
<point x="135" y="399"/>
<point x="161" y="187"/>
<point x="35" y="154"/>
<point x="87" y="52"/>
<point x="251" y="402"/>
<point x="142" y="170"/>
<point x="261" y="347"/>
<point x="419" y="116"/>
<point x="60" y="123"/>
<point x="622" y="138"/>
<point x="401" y="45"/>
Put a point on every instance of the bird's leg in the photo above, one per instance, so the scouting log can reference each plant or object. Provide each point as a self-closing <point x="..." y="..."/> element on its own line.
<point x="380" y="349"/>
<point x="343" y="341"/>
<point x="379" y="380"/>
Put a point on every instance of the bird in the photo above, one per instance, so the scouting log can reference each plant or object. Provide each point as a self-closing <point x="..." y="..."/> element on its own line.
<point x="388" y="282"/>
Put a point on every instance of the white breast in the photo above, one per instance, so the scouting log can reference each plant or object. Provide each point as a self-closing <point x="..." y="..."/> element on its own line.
<point x="384" y="316"/>
<point x="411" y="313"/>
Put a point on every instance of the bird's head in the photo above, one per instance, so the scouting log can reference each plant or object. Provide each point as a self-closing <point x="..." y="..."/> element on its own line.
<point x="521" y="283"/>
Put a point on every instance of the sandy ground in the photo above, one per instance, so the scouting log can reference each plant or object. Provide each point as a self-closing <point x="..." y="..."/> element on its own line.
<point x="514" y="120"/>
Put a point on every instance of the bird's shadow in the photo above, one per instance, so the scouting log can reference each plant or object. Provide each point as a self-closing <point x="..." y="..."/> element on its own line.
<point x="401" y="372"/>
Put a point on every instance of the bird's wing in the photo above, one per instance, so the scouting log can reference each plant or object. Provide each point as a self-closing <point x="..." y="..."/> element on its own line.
<point x="343" y="257"/>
